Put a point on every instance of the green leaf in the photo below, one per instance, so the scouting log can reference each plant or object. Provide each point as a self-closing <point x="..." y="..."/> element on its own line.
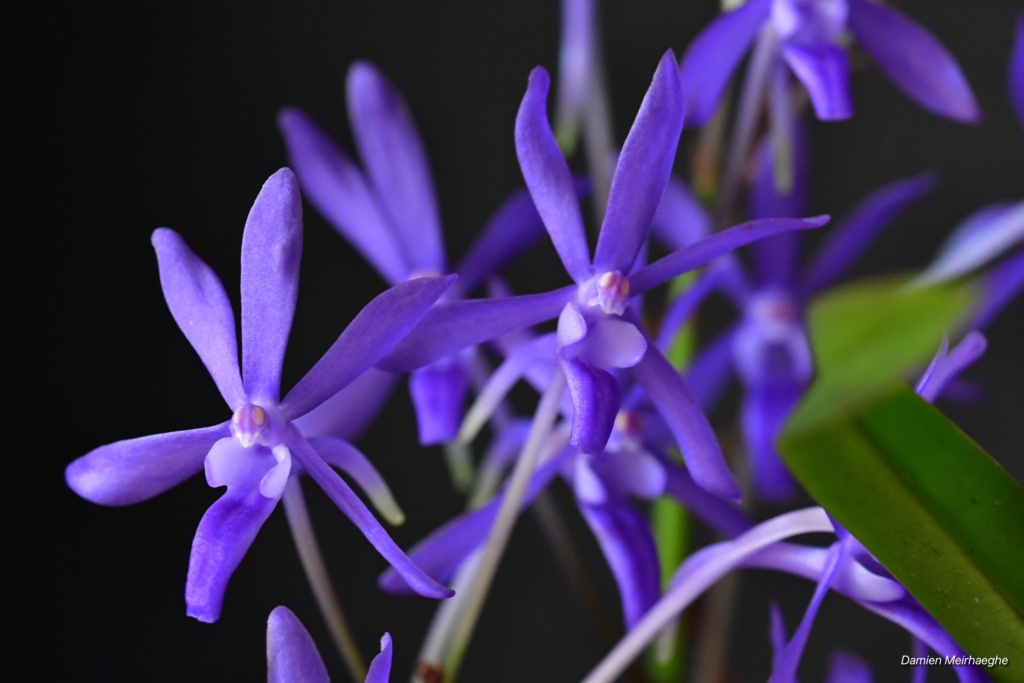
<point x="927" y="501"/>
<point x="871" y="332"/>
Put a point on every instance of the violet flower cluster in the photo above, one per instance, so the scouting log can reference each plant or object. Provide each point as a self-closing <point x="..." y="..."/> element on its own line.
<point x="616" y="421"/>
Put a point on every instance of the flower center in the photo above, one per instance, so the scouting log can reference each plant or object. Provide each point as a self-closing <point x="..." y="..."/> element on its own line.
<point x="608" y="291"/>
<point x="809" y="21"/>
<point x="252" y="424"/>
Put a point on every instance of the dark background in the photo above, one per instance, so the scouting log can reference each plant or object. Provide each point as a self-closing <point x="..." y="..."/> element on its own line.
<point x="131" y="116"/>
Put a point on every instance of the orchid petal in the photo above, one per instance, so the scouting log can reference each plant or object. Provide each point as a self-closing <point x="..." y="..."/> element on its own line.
<point x="709" y="373"/>
<point x="1001" y="285"/>
<point x="202" y="310"/>
<point x="611" y="343"/>
<point x="588" y="487"/>
<point x="443" y="552"/>
<point x="628" y="545"/>
<point x="454" y="325"/>
<point x="353" y="508"/>
<point x="687" y="422"/>
<point x="130" y="471"/>
<point x="396" y="162"/>
<point x="680" y="219"/>
<point x="763" y="413"/>
<point x="224" y="535"/>
<point x="511" y="230"/>
<point x="825" y="72"/>
<point x="438" y="392"/>
<point x="338" y="190"/>
<point x="713" y="246"/>
<point x="686" y="304"/>
<point x="1017" y="71"/>
<point x="915" y="61"/>
<point x="595" y="400"/>
<point x="713" y="56"/>
<point x="380" y="667"/>
<point x="577" y="56"/>
<point x="981" y="238"/>
<point x="848" y="240"/>
<point x="271" y="251"/>
<point x="715" y="512"/>
<point x="549" y="180"/>
<point x="844" y="667"/>
<point x="572" y="326"/>
<point x="347" y="413"/>
<point x="939" y="356"/>
<point x="372" y="333"/>
<point x="634" y="472"/>
<point x="292" y="656"/>
<point x="642" y="171"/>
<point x="349" y="459"/>
<point x="961" y="357"/>
<point x="231" y="464"/>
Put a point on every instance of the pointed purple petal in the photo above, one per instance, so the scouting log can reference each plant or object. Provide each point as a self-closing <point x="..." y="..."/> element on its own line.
<point x="680" y="219"/>
<point x="350" y="504"/>
<point x="844" y="667"/>
<point x="349" y="412"/>
<point x="271" y="251"/>
<point x="292" y="656"/>
<point x="642" y="171"/>
<point x="960" y="358"/>
<point x="595" y="400"/>
<point x="346" y="457"/>
<point x="789" y="660"/>
<point x="713" y="56"/>
<point x="396" y="162"/>
<point x="202" y="310"/>
<point x="715" y="512"/>
<point x="224" y="535"/>
<point x="451" y="326"/>
<point x="134" y="470"/>
<point x="981" y="237"/>
<point x="628" y="546"/>
<point x="825" y="72"/>
<point x="1001" y="285"/>
<point x="512" y="229"/>
<point x="442" y="553"/>
<point x="372" y="333"/>
<point x="380" y="667"/>
<point x="763" y="413"/>
<point x="685" y="305"/>
<point x="438" y="392"/>
<point x="1017" y="70"/>
<point x="548" y="178"/>
<point x="848" y="240"/>
<point x="709" y="373"/>
<point x="713" y="246"/>
<point x="915" y="61"/>
<point x="688" y="424"/>
<point x="338" y="190"/>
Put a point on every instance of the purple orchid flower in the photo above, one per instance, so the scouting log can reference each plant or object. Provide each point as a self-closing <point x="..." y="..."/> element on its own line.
<point x="597" y="334"/>
<point x="389" y="213"/>
<point x="807" y="35"/>
<point x="292" y="656"/>
<point x="265" y="442"/>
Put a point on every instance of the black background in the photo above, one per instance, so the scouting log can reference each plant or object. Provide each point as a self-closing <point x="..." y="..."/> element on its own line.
<point x="131" y="116"/>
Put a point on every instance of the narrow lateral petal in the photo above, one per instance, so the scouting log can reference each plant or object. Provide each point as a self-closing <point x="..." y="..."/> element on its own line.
<point x="642" y="171"/>
<point x="915" y="61"/>
<point x="825" y="72"/>
<point x="350" y="411"/>
<point x="202" y="310"/>
<point x="350" y="504"/>
<point x="438" y="393"/>
<point x="982" y="237"/>
<point x="595" y="401"/>
<point x="351" y="460"/>
<point x="713" y="56"/>
<point x="292" y="656"/>
<point x="851" y="237"/>
<point x="134" y="470"/>
<point x="763" y="412"/>
<point x="271" y="252"/>
<point x="380" y="667"/>
<point x="511" y="230"/>
<point x="443" y="552"/>
<point x="547" y="176"/>
<point x="396" y="162"/>
<point x="336" y="187"/>
<point x="713" y="246"/>
<point x="687" y="422"/>
<point x="949" y="366"/>
<point x="680" y="219"/>
<point x="712" y="510"/>
<point x="451" y="326"/>
<point x="372" y="333"/>
<point x="224" y="535"/>
<point x="628" y="546"/>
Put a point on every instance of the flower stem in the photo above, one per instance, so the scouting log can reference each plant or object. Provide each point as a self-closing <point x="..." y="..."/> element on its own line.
<point x="319" y="580"/>
<point x="474" y="595"/>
